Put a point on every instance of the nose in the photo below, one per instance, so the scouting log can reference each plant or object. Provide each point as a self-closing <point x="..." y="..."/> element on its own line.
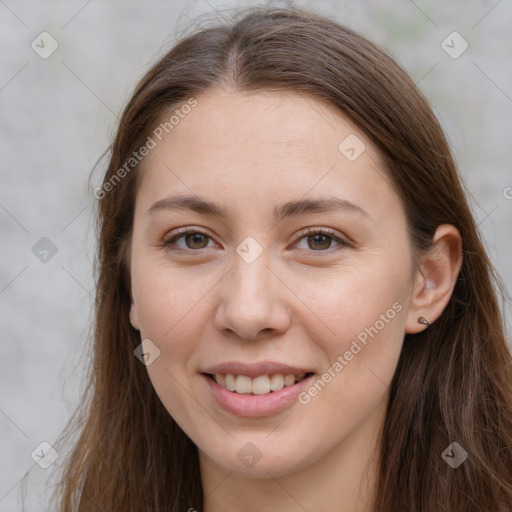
<point x="253" y="301"/>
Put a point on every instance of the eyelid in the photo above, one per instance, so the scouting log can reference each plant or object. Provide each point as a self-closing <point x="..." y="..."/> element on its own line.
<point x="179" y="232"/>
<point x="314" y="230"/>
<point x="188" y="229"/>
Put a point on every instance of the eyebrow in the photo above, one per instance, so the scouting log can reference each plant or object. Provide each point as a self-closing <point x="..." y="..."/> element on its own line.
<point x="289" y="209"/>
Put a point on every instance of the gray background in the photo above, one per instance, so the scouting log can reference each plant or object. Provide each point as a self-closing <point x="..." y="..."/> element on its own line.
<point x="58" y="116"/>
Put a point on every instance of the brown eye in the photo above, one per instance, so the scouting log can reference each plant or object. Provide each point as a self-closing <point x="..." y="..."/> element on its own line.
<point x="193" y="238"/>
<point x="196" y="241"/>
<point x="320" y="240"/>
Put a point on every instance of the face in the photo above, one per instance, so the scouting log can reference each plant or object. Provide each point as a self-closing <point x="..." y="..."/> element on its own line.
<point x="264" y="292"/>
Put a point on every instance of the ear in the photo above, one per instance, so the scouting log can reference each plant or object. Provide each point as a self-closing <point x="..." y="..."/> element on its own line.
<point x="134" y="318"/>
<point x="435" y="278"/>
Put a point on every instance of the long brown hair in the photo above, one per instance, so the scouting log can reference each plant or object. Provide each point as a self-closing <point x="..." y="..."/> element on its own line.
<point x="453" y="382"/>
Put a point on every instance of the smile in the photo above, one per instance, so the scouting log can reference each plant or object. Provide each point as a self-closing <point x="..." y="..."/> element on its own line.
<point x="253" y="396"/>
<point x="260" y="385"/>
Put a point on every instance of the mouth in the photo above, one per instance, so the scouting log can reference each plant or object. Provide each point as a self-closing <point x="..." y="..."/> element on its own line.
<point x="259" y="385"/>
<point x="259" y="394"/>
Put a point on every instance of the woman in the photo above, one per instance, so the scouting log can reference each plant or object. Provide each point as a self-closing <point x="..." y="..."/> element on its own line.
<point x="294" y="307"/>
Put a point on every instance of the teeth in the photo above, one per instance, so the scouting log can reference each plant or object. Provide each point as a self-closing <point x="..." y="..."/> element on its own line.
<point x="243" y="384"/>
<point x="289" y="380"/>
<point x="261" y="385"/>
<point x="221" y="380"/>
<point x="230" y="382"/>
<point x="276" y="382"/>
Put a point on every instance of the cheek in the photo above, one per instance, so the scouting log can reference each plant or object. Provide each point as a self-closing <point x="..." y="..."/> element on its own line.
<point x="354" y="295"/>
<point x="167" y="298"/>
<point x="169" y="312"/>
<point x="361" y="355"/>
<point x="362" y="311"/>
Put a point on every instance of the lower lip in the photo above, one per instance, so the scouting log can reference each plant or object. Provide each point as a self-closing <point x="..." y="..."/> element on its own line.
<point x="254" y="406"/>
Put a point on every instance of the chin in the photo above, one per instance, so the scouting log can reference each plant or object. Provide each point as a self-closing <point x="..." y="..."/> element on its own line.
<point x="259" y="459"/>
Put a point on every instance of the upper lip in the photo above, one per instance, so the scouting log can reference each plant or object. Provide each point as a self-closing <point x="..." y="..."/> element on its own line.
<point x="255" y="369"/>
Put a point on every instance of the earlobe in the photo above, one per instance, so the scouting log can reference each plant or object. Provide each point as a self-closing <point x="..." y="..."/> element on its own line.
<point x="134" y="319"/>
<point x="435" y="279"/>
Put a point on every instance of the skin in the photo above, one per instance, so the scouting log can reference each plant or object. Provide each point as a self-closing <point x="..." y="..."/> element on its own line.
<point x="302" y="301"/>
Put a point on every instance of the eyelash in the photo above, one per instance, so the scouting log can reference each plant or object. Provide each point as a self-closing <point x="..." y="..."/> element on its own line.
<point x="306" y="232"/>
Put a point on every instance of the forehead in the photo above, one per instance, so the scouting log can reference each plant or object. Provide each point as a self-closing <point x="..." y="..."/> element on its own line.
<point x="236" y="144"/>
<point x="277" y="120"/>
